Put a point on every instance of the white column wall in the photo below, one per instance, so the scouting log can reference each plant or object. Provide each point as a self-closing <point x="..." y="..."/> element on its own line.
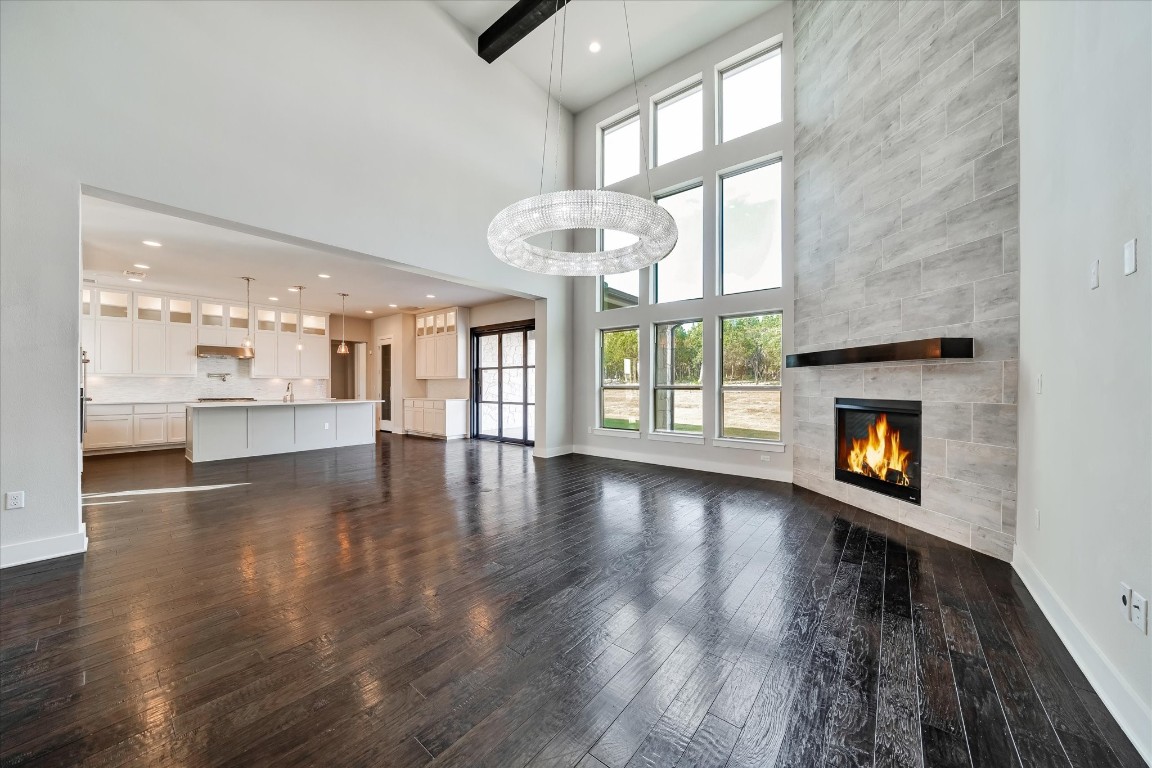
<point x="348" y="124"/>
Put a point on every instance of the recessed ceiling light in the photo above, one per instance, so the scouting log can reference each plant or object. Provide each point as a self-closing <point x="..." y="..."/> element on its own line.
<point x="152" y="243"/>
<point x="430" y="296"/>
<point x="135" y="280"/>
<point x="369" y="312"/>
<point x="273" y="298"/>
<point x="293" y="289"/>
<point x="594" y="47"/>
<point x="324" y="276"/>
<point x="392" y="305"/>
<point x="142" y="266"/>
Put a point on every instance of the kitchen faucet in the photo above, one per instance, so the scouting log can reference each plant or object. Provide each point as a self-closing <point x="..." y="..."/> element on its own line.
<point x="288" y="396"/>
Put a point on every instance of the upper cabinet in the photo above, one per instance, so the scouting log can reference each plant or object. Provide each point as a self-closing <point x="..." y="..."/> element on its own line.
<point x="151" y="334"/>
<point x="290" y="345"/>
<point x="442" y="344"/>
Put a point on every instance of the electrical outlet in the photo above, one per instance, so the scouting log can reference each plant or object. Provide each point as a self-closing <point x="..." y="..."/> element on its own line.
<point x="14" y="500"/>
<point x="1094" y="275"/>
<point x="1126" y="601"/>
<point x="1140" y="612"/>
<point x="765" y="457"/>
<point x="1036" y="517"/>
<point x="325" y="425"/>
<point x="1040" y="384"/>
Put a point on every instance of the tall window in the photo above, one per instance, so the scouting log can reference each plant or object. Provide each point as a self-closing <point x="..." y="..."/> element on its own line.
<point x="677" y="396"/>
<point x="679" y="124"/>
<point x="680" y="274"/>
<point x="620" y="379"/>
<point x="622" y="290"/>
<point x="750" y="95"/>
<point x="750" y="358"/>
<point x="620" y="150"/>
<point x="750" y="229"/>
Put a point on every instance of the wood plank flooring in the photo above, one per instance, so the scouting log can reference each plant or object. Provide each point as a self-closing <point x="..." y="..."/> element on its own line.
<point x="417" y="603"/>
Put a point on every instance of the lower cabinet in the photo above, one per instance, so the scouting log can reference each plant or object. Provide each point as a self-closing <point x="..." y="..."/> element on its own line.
<point x="150" y="428"/>
<point x="134" y="426"/>
<point x="108" y="432"/>
<point x="436" y="418"/>
<point x="177" y="427"/>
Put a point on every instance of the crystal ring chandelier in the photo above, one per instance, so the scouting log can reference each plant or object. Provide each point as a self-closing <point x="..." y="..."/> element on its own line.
<point x="582" y="209"/>
<point x="654" y="227"/>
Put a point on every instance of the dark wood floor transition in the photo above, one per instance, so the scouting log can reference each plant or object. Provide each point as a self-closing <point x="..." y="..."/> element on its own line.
<point x="466" y="605"/>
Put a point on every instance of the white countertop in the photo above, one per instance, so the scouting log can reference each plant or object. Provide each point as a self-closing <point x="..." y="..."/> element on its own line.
<point x="264" y="403"/>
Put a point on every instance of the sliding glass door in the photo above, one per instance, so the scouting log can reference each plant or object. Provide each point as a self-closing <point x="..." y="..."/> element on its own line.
<point x="504" y="383"/>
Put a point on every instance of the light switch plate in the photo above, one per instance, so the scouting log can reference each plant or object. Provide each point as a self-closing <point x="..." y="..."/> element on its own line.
<point x="1094" y="275"/>
<point x="1130" y="256"/>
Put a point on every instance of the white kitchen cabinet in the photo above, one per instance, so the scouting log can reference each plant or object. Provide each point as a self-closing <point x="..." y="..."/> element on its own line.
<point x="180" y="350"/>
<point x="287" y="357"/>
<point x="436" y="418"/>
<point x="149" y="428"/>
<point x="442" y="344"/>
<point x="177" y="427"/>
<point x="113" y="347"/>
<point x="315" y="359"/>
<point x="88" y="336"/>
<point x="265" y="354"/>
<point x="413" y="419"/>
<point x="150" y="349"/>
<point x="108" y="432"/>
<point x="425" y="357"/>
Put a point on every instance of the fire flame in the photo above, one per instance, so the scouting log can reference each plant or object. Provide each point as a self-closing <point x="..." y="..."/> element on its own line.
<point x="880" y="455"/>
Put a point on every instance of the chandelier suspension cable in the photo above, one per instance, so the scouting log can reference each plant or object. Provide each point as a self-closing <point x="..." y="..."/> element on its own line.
<point x="636" y="93"/>
<point x="548" y="103"/>
<point x="559" y="110"/>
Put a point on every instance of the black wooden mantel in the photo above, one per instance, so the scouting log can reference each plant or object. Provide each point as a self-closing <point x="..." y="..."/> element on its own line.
<point x="919" y="349"/>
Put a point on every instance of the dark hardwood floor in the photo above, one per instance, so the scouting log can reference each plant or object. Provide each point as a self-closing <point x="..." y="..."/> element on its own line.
<point x="466" y="605"/>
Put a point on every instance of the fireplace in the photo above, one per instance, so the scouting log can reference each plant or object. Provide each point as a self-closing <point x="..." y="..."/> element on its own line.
<point x="878" y="446"/>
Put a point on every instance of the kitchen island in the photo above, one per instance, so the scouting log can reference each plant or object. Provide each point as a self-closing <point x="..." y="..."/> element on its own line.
<point x="233" y="430"/>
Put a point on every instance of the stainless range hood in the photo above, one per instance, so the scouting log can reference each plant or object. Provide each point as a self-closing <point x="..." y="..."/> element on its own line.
<point x="240" y="353"/>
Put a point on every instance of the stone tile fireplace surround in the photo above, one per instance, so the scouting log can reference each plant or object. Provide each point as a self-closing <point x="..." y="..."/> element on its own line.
<point x="906" y="227"/>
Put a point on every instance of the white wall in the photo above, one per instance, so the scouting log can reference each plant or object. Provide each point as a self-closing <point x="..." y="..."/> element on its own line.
<point x="1086" y="442"/>
<point x="372" y="127"/>
<point x="706" y="165"/>
<point x="501" y="312"/>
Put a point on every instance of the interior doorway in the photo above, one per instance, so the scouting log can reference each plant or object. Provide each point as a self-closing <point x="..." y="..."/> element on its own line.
<point x="384" y="348"/>
<point x="504" y="383"/>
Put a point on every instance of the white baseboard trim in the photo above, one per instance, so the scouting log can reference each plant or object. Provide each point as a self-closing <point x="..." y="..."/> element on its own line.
<point x="1132" y="714"/>
<point x="44" y="549"/>
<point x="764" y="473"/>
<point x="548" y="453"/>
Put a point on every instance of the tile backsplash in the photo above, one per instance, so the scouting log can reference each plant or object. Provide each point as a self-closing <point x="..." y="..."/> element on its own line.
<point x="177" y="389"/>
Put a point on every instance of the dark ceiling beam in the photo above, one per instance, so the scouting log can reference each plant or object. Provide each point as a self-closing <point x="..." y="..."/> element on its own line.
<point x="514" y="26"/>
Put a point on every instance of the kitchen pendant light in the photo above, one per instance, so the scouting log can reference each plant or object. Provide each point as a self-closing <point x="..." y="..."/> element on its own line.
<point x="343" y="348"/>
<point x="653" y="226"/>
<point x="299" y="317"/>
<point x="247" y="342"/>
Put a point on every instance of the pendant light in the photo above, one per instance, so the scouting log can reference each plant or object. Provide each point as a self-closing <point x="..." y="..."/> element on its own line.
<point x="653" y="226"/>
<point x="247" y="342"/>
<point x="343" y="348"/>
<point x="299" y="317"/>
